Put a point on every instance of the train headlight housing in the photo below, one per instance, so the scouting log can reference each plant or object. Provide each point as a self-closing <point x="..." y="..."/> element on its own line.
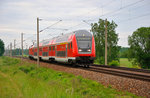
<point x="89" y="50"/>
<point x="80" y="50"/>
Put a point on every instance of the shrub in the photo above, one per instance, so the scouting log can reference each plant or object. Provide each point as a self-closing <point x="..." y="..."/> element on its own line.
<point x="26" y="69"/>
<point x="114" y="63"/>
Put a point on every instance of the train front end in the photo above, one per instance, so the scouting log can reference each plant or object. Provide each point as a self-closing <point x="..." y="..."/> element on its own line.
<point x="85" y="47"/>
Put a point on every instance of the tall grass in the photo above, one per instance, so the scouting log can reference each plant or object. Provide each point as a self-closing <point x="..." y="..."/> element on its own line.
<point x="25" y="80"/>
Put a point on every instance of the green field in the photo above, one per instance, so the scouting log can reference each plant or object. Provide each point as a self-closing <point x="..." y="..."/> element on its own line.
<point x="124" y="62"/>
<point x="26" y="81"/>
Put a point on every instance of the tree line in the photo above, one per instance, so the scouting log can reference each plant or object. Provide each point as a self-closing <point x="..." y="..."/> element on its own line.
<point x="17" y="51"/>
<point x="139" y="44"/>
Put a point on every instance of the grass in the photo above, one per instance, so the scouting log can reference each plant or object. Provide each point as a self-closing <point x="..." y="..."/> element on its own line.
<point x="26" y="81"/>
<point x="124" y="62"/>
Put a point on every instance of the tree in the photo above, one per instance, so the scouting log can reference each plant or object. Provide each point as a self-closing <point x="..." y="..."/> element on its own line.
<point x="1" y="47"/>
<point x="123" y="52"/>
<point x="139" y="50"/>
<point x="98" y="30"/>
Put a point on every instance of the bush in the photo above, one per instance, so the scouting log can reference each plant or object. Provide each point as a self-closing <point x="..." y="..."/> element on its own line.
<point x="114" y="63"/>
<point x="26" y="69"/>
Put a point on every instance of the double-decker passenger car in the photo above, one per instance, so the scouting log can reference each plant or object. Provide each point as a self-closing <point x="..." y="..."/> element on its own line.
<point x="77" y="48"/>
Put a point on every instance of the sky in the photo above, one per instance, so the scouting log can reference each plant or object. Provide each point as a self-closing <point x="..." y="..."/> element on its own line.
<point x="64" y="16"/>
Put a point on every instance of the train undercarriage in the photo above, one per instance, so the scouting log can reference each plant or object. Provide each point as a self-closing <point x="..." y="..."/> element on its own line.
<point x="77" y="61"/>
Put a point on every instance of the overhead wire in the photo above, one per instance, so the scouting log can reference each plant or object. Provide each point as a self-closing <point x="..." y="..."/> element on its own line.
<point x="129" y="5"/>
<point x="136" y="17"/>
<point x="108" y="3"/>
<point x="50" y="26"/>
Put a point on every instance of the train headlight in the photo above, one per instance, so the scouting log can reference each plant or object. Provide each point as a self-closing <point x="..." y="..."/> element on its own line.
<point x="89" y="50"/>
<point x="80" y="50"/>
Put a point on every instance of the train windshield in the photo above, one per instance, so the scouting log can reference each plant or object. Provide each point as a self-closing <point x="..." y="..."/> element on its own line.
<point x="84" y="42"/>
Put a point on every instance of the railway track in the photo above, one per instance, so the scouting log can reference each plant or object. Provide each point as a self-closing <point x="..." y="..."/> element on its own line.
<point x="123" y="68"/>
<point x="123" y="73"/>
<point x="140" y="74"/>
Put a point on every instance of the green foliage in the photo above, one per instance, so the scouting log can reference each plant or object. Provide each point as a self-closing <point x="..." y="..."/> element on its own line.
<point x="18" y="51"/>
<point x="114" y="63"/>
<point x="139" y="50"/>
<point x="1" y="47"/>
<point x="98" y="30"/>
<point x="123" y="49"/>
<point x="123" y="52"/>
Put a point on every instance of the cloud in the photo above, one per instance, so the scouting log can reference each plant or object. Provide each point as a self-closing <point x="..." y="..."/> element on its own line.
<point x="20" y="16"/>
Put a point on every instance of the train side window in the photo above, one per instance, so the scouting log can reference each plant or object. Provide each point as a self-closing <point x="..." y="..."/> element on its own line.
<point x="53" y="47"/>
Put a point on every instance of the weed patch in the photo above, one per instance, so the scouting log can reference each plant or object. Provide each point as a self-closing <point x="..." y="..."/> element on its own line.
<point x="7" y="61"/>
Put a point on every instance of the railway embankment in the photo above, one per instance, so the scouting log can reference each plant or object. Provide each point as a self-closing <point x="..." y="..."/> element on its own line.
<point x="25" y="80"/>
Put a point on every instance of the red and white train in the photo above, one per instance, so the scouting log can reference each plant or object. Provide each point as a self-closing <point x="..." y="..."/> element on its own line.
<point x="75" y="48"/>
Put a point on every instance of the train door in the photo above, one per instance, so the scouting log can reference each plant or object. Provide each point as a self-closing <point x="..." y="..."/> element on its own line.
<point x="40" y="51"/>
<point x="35" y="51"/>
<point x="66" y="51"/>
<point x="69" y="49"/>
<point x="53" y="51"/>
<point x="49" y="51"/>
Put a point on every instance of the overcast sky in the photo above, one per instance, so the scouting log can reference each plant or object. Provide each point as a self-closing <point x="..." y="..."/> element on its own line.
<point x="19" y="16"/>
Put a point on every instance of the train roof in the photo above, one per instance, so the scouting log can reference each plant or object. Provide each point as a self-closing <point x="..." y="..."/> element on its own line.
<point x="63" y="38"/>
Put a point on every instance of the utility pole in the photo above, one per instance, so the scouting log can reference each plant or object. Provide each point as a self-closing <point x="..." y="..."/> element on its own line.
<point x="106" y="42"/>
<point x="27" y="49"/>
<point x="10" y="49"/>
<point x="22" y="45"/>
<point x="14" y="47"/>
<point x="38" y="61"/>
